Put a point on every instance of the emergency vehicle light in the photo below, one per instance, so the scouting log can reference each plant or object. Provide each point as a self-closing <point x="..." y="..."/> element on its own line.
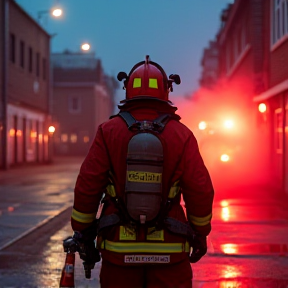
<point x="202" y="125"/>
<point x="224" y="158"/>
<point x="228" y="124"/>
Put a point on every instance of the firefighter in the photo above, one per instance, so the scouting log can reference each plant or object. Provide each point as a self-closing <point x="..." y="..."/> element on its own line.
<point x="142" y="162"/>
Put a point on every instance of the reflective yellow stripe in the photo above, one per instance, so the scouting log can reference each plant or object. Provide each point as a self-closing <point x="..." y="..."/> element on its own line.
<point x="187" y="247"/>
<point x="174" y="190"/>
<point x="111" y="190"/>
<point x="200" y="221"/>
<point x="153" y="83"/>
<point x="83" y="217"/>
<point x="137" y="82"/>
<point x="143" y="247"/>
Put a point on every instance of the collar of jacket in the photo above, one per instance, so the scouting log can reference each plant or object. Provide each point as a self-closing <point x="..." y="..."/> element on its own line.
<point x="161" y="107"/>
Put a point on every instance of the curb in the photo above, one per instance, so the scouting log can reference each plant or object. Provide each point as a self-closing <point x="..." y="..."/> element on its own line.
<point x="32" y="229"/>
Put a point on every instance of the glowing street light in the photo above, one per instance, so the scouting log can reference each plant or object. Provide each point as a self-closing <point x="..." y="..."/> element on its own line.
<point x="51" y="129"/>
<point x="85" y="46"/>
<point x="262" y="107"/>
<point x="57" y="12"/>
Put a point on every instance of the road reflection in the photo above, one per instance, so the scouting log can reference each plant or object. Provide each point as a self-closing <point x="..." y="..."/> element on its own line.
<point x="242" y="283"/>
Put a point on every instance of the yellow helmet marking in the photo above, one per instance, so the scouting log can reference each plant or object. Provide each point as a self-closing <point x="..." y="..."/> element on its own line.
<point x="137" y="82"/>
<point x="153" y="83"/>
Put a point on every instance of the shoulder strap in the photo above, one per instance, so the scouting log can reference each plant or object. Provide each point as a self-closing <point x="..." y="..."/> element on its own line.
<point x="156" y="125"/>
<point x="128" y="118"/>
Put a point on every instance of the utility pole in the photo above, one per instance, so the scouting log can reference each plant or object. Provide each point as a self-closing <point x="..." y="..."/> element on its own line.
<point x="3" y="106"/>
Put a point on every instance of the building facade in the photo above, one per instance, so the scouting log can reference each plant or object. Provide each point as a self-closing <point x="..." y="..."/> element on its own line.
<point x="253" y="57"/>
<point x="210" y="64"/>
<point x="83" y="98"/>
<point x="275" y="94"/>
<point x="24" y="87"/>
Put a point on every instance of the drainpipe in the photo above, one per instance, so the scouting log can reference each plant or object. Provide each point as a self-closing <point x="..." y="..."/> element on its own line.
<point x="3" y="113"/>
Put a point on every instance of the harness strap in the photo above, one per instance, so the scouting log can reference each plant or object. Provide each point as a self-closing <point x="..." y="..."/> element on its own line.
<point x="107" y="220"/>
<point x="173" y="225"/>
<point x="178" y="227"/>
<point x="128" y="118"/>
<point x="156" y="125"/>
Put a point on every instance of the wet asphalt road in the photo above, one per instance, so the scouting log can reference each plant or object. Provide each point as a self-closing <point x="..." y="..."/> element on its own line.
<point x="250" y="262"/>
<point x="247" y="248"/>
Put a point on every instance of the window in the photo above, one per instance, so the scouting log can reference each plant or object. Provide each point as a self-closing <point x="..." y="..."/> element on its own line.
<point x="73" y="138"/>
<point x="279" y="20"/>
<point x="37" y="64"/>
<point x="86" y="139"/>
<point x="22" y="54"/>
<point x="44" y="68"/>
<point x="74" y="104"/>
<point x="30" y="59"/>
<point x="64" y="138"/>
<point x="12" y="48"/>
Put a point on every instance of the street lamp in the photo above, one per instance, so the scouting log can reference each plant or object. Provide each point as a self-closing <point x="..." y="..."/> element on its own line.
<point x="55" y="12"/>
<point x="85" y="46"/>
<point x="51" y="129"/>
<point x="262" y="107"/>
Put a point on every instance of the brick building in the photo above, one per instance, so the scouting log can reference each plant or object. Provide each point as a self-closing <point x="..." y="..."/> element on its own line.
<point x="83" y="98"/>
<point x="275" y="94"/>
<point x="253" y="57"/>
<point x="24" y="87"/>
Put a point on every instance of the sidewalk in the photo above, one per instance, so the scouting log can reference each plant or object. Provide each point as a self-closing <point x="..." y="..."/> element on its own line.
<point x="32" y="195"/>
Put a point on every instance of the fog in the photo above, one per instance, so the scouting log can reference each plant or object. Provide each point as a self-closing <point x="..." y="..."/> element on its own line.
<point x="243" y="141"/>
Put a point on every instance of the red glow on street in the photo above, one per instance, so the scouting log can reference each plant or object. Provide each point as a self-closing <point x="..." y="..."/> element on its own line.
<point x="225" y="214"/>
<point x="224" y="203"/>
<point x="229" y="248"/>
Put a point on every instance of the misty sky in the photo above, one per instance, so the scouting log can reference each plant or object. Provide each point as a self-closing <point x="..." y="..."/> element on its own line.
<point x="122" y="32"/>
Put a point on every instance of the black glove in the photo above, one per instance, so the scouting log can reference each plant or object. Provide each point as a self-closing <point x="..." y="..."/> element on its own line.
<point x="89" y="254"/>
<point x="87" y="250"/>
<point x="199" y="248"/>
<point x="84" y="243"/>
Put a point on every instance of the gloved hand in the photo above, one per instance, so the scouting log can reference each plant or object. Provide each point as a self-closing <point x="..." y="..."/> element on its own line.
<point x="199" y="248"/>
<point x="90" y="255"/>
<point x="87" y="250"/>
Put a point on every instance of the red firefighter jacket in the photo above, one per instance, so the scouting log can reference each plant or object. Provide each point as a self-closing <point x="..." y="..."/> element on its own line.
<point x="182" y="162"/>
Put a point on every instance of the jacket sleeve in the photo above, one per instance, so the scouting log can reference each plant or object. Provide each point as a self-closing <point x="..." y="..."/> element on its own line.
<point x="197" y="188"/>
<point x="91" y="182"/>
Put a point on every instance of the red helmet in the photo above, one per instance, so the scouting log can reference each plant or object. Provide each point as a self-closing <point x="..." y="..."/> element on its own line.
<point x="147" y="80"/>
